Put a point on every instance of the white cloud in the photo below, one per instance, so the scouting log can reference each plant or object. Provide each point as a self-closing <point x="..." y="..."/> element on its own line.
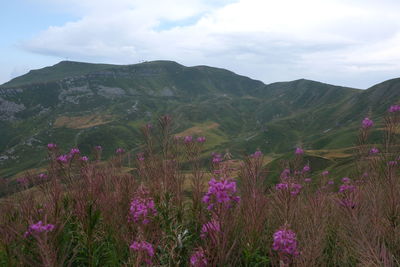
<point x="335" y="41"/>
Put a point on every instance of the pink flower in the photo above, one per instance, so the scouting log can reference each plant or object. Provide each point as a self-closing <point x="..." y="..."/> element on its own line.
<point x="140" y="156"/>
<point x="51" y="146"/>
<point x="187" y="139"/>
<point x="146" y="249"/>
<point x="84" y="159"/>
<point x="325" y="173"/>
<point x="63" y="159"/>
<point x="285" y="242"/>
<point x="299" y="151"/>
<point x="293" y="188"/>
<point x="306" y="168"/>
<point x="394" y="108"/>
<point x="43" y="176"/>
<point x="331" y="182"/>
<point x="367" y="123"/>
<point x="216" y="157"/>
<point x="374" y="150"/>
<point x="307" y="180"/>
<point x="346" y="188"/>
<point x="98" y="148"/>
<point x="39" y="227"/>
<point x="198" y="258"/>
<point x="142" y="209"/>
<point x="120" y="151"/>
<point x="221" y="192"/>
<point x="201" y="139"/>
<point x="74" y="151"/>
<point x="346" y="180"/>
<point x="257" y="154"/>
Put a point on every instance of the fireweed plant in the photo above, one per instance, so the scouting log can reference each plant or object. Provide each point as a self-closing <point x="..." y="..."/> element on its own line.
<point x="174" y="208"/>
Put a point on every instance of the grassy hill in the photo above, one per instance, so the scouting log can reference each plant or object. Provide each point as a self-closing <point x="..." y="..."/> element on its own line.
<point x="82" y="104"/>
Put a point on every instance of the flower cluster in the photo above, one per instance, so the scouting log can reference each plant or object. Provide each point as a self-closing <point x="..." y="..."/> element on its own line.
<point x="201" y="139"/>
<point x="187" y="139"/>
<point x="394" y="108"/>
<point x="119" y="151"/>
<point x="285" y="242"/>
<point x="257" y="154"/>
<point x="211" y="227"/>
<point x="367" y="123"/>
<point x="63" y="159"/>
<point x="374" y="150"/>
<point x="140" y="156"/>
<point x="74" y="151"/>
<point x="222" y="191"/>
<point x="51" y="146"/>
<point x="39" y="227"/>
<point x="43" y="176"/>
<point x="198" y="258"/>
<point x="217" y="158"/>
<point x="299" y="151"/>
<point x="346" y="188"/>
<point x="306" y="168"/>
<point x="292" y="187"/>
<point x="141" y="209"/>
<point x="145" y="248"/>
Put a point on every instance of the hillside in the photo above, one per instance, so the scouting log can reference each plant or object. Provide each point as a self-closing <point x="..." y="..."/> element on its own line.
<point x="82" y="104"/>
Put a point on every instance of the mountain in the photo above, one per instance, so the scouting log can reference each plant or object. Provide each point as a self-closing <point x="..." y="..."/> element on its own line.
<point x="82" y="104"/>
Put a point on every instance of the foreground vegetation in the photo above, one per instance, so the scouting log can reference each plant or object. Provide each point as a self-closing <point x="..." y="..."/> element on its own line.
<point x="173" y="209"/>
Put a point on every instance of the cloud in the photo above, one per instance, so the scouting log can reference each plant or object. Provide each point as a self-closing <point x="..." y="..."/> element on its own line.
<point x="332" y="40"/>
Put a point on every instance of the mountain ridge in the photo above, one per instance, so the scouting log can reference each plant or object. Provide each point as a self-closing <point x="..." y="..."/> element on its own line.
<point x="86" y="104"/>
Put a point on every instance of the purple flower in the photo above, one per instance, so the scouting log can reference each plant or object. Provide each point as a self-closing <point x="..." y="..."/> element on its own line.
<point x="23" y="180"/>
<point x="119" y="151"/>
<point x="306" y="168"/>
<point x="367" y="123"/>
<point x="63" y="159"/>
<point x="74" y="151"/>
<point x="145" y="248"/>
<point x="299" y="151"/>
<point x="257" y="154"/>
<point x="292" y="187"/>
<point x="285" y="174"/>
<point x="198" y="258"/>
<point x="346" y="188"/>
<point x="331" y="182"/>
<point x="84" y="159"/>
<point x="345" y="180"/>
<point x="210" y="228"/>
<point x="140" y="156"/>
<point x="141" y="209"/>
<point x="221" y="192"/>
<point x="285" y="242"/>
<point x="392" y="163"/>
<point x="39" y="227"/>
<point x="51" y="146"/>
<point x="216" y="157"/>
<point x="187" y="139"/>
<point x="325" y="173"/>
<point x="394" y="108"/>
<point x="43" y="176"/>
<point x="201" y="139"/>
<point x="307" y="180"/>
<point x="374" y="150"/>
<point x="98" y="148"/>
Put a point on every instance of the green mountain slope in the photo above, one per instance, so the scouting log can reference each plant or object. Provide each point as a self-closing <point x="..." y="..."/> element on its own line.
<point x="81" y="104"/>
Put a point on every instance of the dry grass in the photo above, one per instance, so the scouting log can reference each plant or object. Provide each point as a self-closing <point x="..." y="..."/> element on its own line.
<point x="82" y="122"/>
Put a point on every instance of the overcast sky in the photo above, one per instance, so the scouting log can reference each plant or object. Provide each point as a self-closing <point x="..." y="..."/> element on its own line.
<point x="345" y="42"/>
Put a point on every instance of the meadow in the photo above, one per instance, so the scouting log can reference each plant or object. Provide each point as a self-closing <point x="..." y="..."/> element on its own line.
<point x="168" y="206"/>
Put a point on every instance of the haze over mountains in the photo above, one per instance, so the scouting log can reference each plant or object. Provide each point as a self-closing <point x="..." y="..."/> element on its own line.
<point x="82" y="104"/>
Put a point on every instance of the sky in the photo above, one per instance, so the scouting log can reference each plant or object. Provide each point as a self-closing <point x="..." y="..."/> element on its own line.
<point x="353" y="43"/>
